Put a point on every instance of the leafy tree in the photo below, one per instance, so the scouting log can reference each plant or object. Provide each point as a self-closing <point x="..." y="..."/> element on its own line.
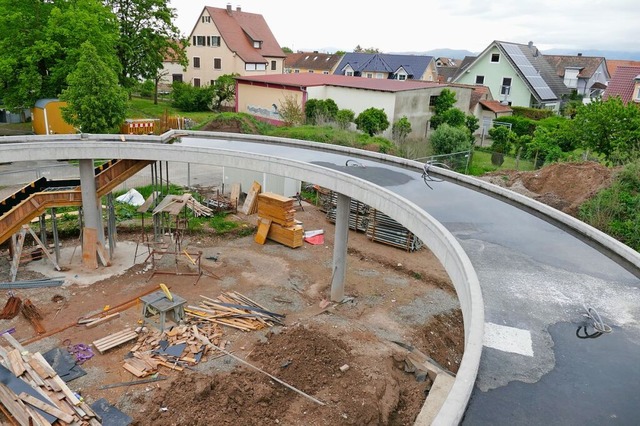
<point x="447" y="139"/>
<point x="286" y="49"/>
<point x="401" y="129"/>
<point x="443" y="103"/>
<point x="344" y="117"/>
<point x="472" y="123"/>
<point x="502" y="139"/>
<point x="147" y="36"/>
<point x="359" y="49"/>
<point x="41" y="44"/>
<point x="224" y="91"/>
<point x="543" y="147"/>
<point x="610" y="128"/>
<point x="95" y="101"/>
<point x="187" y="98"/>
<point x="340" y="52"/>
<point x="372" y="121"/>
<point x="146" y="88"/>
<point x="563" y="132"/>
<point x="291" y="111"/>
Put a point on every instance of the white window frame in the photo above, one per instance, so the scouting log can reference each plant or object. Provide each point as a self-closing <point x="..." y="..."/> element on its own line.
<point x="199" y="40"/>
<point x="491" y="58"/>
<point x="505" y="89"/>
<point x="257" y="44"/>
<point x="479" y="77"/>
<point x="216" y="41"/>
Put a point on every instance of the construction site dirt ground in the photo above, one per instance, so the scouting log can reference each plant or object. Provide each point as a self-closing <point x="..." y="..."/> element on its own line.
<point x="391" y="295"/>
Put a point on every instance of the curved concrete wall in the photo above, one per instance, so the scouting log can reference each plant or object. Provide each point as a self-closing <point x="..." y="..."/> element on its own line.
<point x="445" y="247"/>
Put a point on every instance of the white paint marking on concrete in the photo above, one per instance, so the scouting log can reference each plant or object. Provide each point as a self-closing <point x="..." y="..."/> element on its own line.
<point x="508" y="339"/>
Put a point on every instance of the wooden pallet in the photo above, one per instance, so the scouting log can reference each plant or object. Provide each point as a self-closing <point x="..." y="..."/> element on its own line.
<point x="115" y="339"/>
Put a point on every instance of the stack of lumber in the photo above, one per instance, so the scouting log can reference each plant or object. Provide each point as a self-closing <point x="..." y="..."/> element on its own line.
<point x="277" y="208"/>
<point x="174" y="204"/>
<point x="32" y="393"/>
<point x="276" y="220"/>
<point x="234" y="310"/>
<point x="174" y="348"/>
<point x="114" y="339"/>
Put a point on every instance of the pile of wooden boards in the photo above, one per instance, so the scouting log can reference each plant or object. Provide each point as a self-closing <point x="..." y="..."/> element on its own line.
<point x="32" y="393"/>
<point x="114" y="339"/>
<point x="175" y="348"/>
<point x="174" y="204"/>
<point x="276" y="221"/>
<point x="234" y="310"/>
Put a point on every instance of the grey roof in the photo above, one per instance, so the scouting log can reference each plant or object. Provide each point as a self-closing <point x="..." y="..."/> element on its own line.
<point x="539" y="75"/>
<point x="466" y="62"/>
<point x="415" y="65"/>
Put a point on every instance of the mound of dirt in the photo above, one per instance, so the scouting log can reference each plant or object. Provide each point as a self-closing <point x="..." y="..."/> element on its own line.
<point x="564" y="186"/>
<point x="308" y="359"/>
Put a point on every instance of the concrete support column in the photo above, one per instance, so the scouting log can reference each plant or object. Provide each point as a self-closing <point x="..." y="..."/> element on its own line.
<point x="92" y="232"/>
<point x="343" y="207"/>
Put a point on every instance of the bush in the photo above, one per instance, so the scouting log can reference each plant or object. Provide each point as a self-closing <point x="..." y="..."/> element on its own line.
<point x="372" y="121"/>
<point x="187" y="98"/>
<point x="344" y="118"/>
<point x="147" y="89"/>
<point x="320" y="111"/>
<point x="532" y="113"/>
<point x="447" y="139"/>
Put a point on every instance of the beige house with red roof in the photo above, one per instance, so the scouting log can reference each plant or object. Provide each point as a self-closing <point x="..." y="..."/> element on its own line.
<point x="625" y="84"/>
<point x="231" y="41"/>
<point x="262" y="96"/>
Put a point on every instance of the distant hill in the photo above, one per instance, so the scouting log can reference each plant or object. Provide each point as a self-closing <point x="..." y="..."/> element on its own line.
<point x="445" y="53"/>
<point x="460" y="53"/>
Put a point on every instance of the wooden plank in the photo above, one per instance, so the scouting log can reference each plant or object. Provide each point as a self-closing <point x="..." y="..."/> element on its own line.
<point x="49" y="409"/>
<point x="89" y="253"/>
<point x="102" y="320"/>
<point x="15" y="363"/>
<point x="7" y="398"/>
<point x="49" y="371"/>
<point x="250" y="202"/>
<point x="263" y="230"/>
<point x="235" y="193"/>
<point x="135" y="371"/>
<point x="102" y="254"/>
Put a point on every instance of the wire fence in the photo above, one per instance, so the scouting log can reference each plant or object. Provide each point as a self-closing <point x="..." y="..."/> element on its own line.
<point x="458" y="161"/>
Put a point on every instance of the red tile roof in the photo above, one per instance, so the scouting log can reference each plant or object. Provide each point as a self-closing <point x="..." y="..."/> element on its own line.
<point x="613" y="64"/>
<point x="240" y="29"/>
<point x="310" y="80"/>
<point x="312" y="61"/>
<point x="622" y="83"/>
<point x="495" y="106"/>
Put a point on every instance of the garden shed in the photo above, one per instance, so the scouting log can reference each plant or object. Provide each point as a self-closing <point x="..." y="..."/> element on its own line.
<point x="47" y="118"/>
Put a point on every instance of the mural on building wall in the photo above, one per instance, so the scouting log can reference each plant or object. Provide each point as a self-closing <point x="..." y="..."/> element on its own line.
<point x="270" y="113"/>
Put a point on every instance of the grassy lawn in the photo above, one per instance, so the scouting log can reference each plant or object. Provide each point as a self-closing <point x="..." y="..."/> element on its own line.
<point x="481" y="164"/>
<point x="145" y="108"/>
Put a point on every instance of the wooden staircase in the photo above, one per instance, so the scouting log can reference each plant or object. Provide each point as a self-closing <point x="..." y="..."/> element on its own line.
<point x="108" y="177"/>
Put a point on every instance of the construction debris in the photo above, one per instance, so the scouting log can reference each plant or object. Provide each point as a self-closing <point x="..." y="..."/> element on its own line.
<point x="34" y="316"/>
<point x="174" y="348"/>
<point x="32" y="393"/>
<point x="234" y="310"/>
<point x="35" y="283"/>
<point x="11" y="308"/>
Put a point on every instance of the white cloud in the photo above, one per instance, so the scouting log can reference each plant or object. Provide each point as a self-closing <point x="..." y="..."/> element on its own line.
<point x="418" y="25"/>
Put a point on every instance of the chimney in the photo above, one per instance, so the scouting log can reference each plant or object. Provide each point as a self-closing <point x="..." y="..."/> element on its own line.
<point x="530" y="44"/>
<point x="229" y="8"/>
<point x="238" y="8"/>
<point x="579" y="53"/>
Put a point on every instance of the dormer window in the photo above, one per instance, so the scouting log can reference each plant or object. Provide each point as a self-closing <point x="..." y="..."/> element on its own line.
<point x="257" y="44"/>
<point x="571" y="77"/>
<point x="636" y="89"/>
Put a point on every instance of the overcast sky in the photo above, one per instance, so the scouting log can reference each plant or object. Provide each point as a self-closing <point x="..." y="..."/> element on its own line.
<point x="422" y="25"/>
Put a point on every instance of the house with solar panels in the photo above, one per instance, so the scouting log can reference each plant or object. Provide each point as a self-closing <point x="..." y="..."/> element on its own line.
<point x="388" y="66"/>
<point x="516" y="74"/>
